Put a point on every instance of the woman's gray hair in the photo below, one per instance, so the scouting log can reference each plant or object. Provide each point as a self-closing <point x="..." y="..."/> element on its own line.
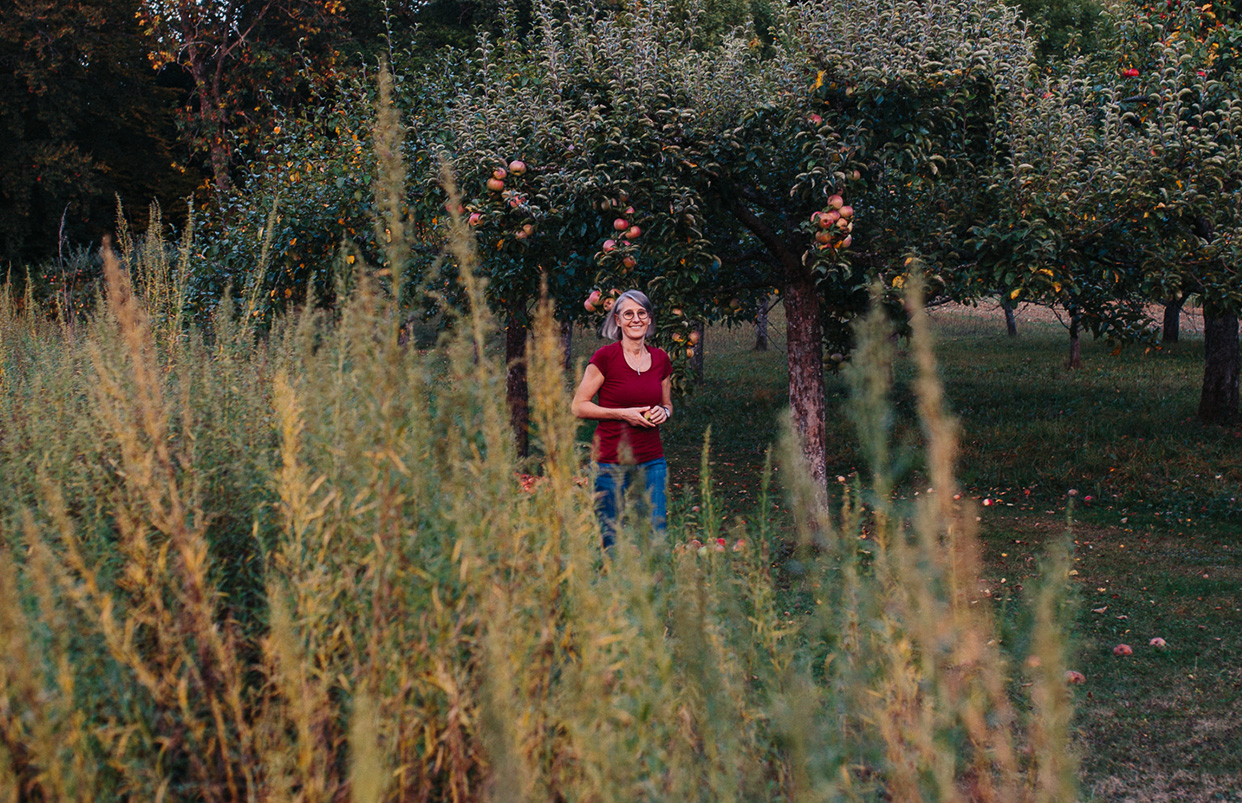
<point x="610" y="330"/>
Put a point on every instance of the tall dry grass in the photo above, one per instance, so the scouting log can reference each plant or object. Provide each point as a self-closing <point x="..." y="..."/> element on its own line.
<point x="300" y="567"/>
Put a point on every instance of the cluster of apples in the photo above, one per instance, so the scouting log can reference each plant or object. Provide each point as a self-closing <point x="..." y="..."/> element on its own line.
<point x="834" y="224"/>
<point x="689" y="338"/>
<point x="625" y="241"/>
<point x="496" y="183"/>
<point x="696" y="547"/>
<point x="529" y="482"/>
<point x="600" y="301"/>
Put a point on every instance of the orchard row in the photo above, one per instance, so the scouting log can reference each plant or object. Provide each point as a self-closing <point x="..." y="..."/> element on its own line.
<point x="616" y="150"/>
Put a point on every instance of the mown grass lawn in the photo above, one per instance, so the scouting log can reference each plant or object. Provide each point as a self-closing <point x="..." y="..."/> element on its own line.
<point x="1111" y="450"/>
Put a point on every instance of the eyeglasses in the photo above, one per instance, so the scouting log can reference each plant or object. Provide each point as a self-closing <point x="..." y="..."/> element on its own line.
<point x="634" y="314"/>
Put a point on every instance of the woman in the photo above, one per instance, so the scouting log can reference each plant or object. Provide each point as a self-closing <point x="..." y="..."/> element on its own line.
<point x="634" y="384"/>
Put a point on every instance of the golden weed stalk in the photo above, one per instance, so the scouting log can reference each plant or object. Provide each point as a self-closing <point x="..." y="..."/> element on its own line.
<point x="391" y="223"/>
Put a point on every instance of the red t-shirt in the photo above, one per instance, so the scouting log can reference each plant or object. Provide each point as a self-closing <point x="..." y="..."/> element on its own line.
<point x="625" y="387"/>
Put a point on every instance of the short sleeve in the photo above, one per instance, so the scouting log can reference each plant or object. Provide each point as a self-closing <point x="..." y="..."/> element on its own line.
<point x="600" y="360"/>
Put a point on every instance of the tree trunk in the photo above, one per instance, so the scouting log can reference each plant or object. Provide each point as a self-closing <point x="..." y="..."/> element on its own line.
<point x="804" y="339"/>
<point x="1218" y="402"/>
<point x="805" y="348"/>
<point x="211" y="115"/>
<point x="1075" y="351"/>
<point x="696" y="362"/>
<point x="1172" y="324"/>
<point x="1011" y="323"/>
<point x="761" y="327"/>
<point x="517" y="394"/>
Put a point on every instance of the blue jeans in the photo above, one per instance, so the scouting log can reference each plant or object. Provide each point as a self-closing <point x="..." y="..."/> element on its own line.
<point x="613" y="480"/>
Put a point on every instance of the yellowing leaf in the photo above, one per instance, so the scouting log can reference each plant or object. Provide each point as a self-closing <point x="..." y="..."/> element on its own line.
<point x="1015" y="293"/>
<point x="819" y="81"/>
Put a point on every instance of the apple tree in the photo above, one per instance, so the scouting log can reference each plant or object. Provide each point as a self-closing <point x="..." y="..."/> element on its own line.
<point x="747" y="162"/>
<point x="1189" y="121"/>
<point x="1060" y="198"/>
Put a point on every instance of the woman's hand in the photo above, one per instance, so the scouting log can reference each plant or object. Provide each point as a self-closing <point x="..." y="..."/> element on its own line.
<point x="641" y="416"/>
<point x="656" y="414"/>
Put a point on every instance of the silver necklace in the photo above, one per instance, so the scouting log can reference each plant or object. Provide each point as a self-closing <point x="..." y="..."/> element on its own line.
<point x="639" y="361"/>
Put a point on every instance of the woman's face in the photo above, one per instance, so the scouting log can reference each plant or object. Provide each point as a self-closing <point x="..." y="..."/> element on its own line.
<point x="632" y="319"/>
